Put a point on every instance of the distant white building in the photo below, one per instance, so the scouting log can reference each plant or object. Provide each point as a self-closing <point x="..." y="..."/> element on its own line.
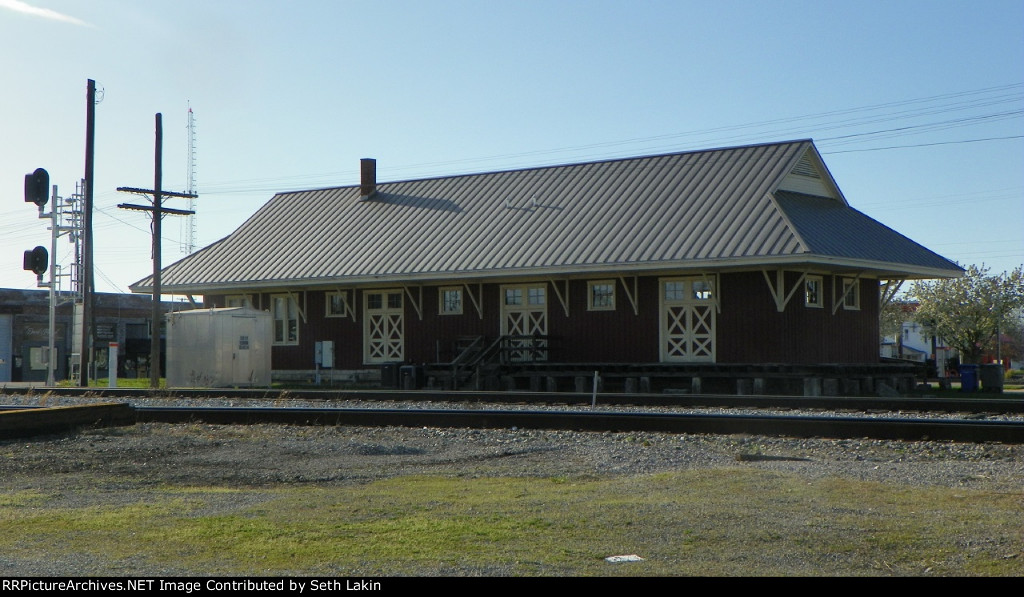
<point x="914" y="344"/>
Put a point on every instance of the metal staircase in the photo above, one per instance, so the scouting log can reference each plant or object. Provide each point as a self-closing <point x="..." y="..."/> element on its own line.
<point x="476" y="360"/>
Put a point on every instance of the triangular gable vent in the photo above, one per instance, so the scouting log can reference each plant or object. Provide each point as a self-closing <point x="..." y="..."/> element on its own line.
<point x="805" y="167"/>
<point x="806" y="177"/>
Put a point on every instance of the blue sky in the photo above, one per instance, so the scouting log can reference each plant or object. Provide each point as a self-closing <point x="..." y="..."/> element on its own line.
<point x="916" y="106"/>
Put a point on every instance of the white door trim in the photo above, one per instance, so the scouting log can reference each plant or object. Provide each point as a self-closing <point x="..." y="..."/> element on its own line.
<point x="687" y="319"/>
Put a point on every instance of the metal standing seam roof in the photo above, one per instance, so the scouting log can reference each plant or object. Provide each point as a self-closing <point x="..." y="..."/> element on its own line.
<point x="715" y="208"/>
<point x="829" y="229"/>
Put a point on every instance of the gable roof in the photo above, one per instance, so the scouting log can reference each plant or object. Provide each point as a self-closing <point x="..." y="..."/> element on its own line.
<point x="769" y="205"/>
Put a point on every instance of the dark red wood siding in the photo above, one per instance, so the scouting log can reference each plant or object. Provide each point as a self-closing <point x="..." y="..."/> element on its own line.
<point x="749" y="327"/>
<point x="619" y="336"/>
<point x="751" y="330"/>
<point x="433" y="339"/>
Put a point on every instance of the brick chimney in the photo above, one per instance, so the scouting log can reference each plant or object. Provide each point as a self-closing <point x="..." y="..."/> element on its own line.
<point x="367" y="178"/>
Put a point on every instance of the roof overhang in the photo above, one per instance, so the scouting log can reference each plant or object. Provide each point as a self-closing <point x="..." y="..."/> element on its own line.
<point x="809" y="263"/>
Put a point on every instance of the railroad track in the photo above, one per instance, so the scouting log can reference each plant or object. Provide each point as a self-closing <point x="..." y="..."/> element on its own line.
<point x="488" y="411"/>
<point x="973" y="403"/>
<point x="56" y="420"/>
<point x="964" y="430"/>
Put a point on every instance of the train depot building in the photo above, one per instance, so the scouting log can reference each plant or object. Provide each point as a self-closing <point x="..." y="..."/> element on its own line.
<point x="741" y="269"/>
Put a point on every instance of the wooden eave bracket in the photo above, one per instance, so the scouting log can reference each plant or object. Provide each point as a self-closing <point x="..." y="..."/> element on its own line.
<point x="562" y="298"/>
<point x="778" y="290"/>
<point x="300" y="306"/>
<point x="631" y="295"/>
<point x="478" y="299"/>
<point x="889" y="290"/>
<point x="712" y="284"/>
<point x="350" y="310"/>
<point x="416" y="304"/>
<point x="840" y="299"/>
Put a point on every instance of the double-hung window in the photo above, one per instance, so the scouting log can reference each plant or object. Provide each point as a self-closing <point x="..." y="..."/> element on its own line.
<point x="237" y="300"/>
<point x="851" y="294"/>
<point x="601" y="295"/>
<point x="450" y="300"/>
<point x="286" y="319"/>
<point x="812" y="291"/>
<point x="337" y="304"/>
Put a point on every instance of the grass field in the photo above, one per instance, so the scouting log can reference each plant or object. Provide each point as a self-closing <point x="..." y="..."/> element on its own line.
<point x="703" y="523"/>
<point x="709" y="522"/>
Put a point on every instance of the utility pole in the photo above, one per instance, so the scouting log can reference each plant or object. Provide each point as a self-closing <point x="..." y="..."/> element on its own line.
<point x="158" y="211"/>
<point x="85" y="358"/>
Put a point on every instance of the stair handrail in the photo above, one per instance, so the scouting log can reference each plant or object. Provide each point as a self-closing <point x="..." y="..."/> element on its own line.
<point x="479" y="358"/>
<point x="529" y="344"/>
<point x="471" y="359"/>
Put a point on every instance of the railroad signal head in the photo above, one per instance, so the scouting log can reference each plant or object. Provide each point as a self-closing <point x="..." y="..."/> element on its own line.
<point x="37" y="187"/>
<point x="37" y="260"/>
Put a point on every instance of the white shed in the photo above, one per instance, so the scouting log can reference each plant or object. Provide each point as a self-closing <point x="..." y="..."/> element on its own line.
<point x="219" y="348"/>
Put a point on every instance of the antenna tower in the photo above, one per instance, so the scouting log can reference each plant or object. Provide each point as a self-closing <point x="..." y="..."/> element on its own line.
<point x="190" y="222"/>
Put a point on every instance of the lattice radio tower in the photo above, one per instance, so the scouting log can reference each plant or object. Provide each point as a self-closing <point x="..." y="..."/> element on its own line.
<point x="190" y="222"/>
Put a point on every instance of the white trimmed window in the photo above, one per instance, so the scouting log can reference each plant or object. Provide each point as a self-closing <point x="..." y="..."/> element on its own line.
<point x="702" y="290"/>
<point x="337" y="304"/>
<point x="812" y="291"/>
<point x="675" y="290"/>
<point x="601" y="295"/>
<point x="237" y="300"/>
<point x="286" y="319"/>
<point x="450" y="301"/>
<point x="851" y="294"/>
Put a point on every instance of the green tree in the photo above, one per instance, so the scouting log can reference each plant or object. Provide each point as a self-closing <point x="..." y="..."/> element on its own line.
<point x="891" y="318"/>
<point x="967" y="312"/>
<point x="1013" y="336"/>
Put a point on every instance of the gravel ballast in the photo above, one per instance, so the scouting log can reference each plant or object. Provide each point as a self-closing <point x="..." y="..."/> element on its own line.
<point x="268" y="455"/>
<point x="519" y="451"/>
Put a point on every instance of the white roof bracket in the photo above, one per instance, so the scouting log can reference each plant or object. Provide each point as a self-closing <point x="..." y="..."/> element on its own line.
<point x="418" y="305"/>
<point x="349" y="310"/>
<point x="841" y="298"/>
<point x="778" y="290"/>
<point x="476" y="299"/>
<point x="632" y="296"/>
<point x="562" y="298"/>
<point x="714" y="292"/>
<point x="889" y="291"/>
<point x="298" y="305"/>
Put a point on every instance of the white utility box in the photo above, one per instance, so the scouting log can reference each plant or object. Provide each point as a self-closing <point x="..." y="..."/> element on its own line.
<point x="219" y="348"/>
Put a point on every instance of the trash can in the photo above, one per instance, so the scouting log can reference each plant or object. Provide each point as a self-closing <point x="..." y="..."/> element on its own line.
<point x="411" y="377"/>
<point x="992" y="378"/>
<point x="389" y="375"/>
<point x="968" y="378"/>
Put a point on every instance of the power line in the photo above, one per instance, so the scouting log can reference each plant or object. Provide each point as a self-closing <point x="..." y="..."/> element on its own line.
<point x="923" y="144"/>
<point x="939" y="104"/>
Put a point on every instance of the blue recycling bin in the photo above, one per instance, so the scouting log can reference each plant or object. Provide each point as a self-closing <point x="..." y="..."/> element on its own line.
<point x="968" y="378"/>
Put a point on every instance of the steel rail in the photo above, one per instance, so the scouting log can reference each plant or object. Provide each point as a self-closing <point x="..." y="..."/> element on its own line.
<point x="773" y="425"/>
<point x="973" y="403"/>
